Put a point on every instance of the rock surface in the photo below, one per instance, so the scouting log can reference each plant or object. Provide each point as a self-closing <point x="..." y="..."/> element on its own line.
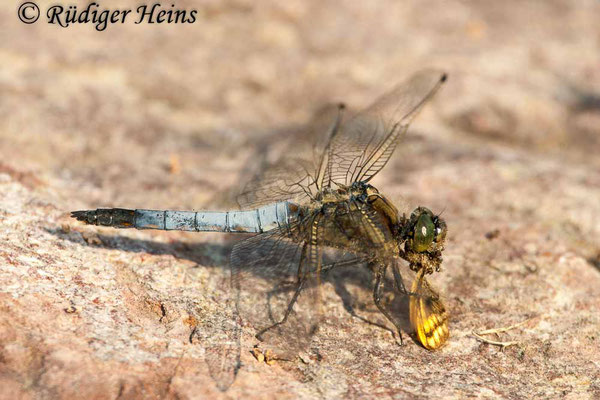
<point x="174" y="116"/>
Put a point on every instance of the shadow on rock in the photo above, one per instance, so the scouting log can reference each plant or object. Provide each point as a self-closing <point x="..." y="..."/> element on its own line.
<point x="211" y="255"/>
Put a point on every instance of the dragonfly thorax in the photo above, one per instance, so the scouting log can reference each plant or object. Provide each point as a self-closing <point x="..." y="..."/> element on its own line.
<point x="422" y="234"/>
<point x="330" y="195"/>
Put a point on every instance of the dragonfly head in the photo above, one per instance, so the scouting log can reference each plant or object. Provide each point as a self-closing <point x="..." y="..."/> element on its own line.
<point x="424" y="235"/>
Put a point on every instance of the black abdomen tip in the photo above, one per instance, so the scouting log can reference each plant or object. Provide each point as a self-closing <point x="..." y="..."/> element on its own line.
<point x="87" y="216"/>
<point x="115" y="217"/>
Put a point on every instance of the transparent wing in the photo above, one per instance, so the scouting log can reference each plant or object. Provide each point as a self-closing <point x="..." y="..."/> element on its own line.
<point x="364" y="144"/>
<point x="222" y="346"/>
<point x="288" y="179"/>
<point x="428" y="316"/>
<point x="276" y="277"/>
<point x="332" y="151"/>
<point x="293" y="176"/>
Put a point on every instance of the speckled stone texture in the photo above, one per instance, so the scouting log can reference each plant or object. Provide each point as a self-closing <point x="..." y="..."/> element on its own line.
<point x="178" y="116"/>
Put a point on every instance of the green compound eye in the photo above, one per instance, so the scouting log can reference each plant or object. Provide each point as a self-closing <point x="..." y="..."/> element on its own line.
<point x="424" y="233"/>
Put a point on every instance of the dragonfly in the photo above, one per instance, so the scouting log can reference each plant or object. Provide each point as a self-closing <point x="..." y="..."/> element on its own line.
<point x="316" y="211"/>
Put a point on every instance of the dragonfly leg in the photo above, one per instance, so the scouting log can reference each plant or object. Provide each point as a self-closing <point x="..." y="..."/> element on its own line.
<point x="398" y="279"/>
<point x="342" y="291"/>
<point x="283" y="288"/>
<point x="299" y="284"/>
<point x="287" y="311"/>
<point x="400" y="282"/>
<point x="377" y="288"/>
